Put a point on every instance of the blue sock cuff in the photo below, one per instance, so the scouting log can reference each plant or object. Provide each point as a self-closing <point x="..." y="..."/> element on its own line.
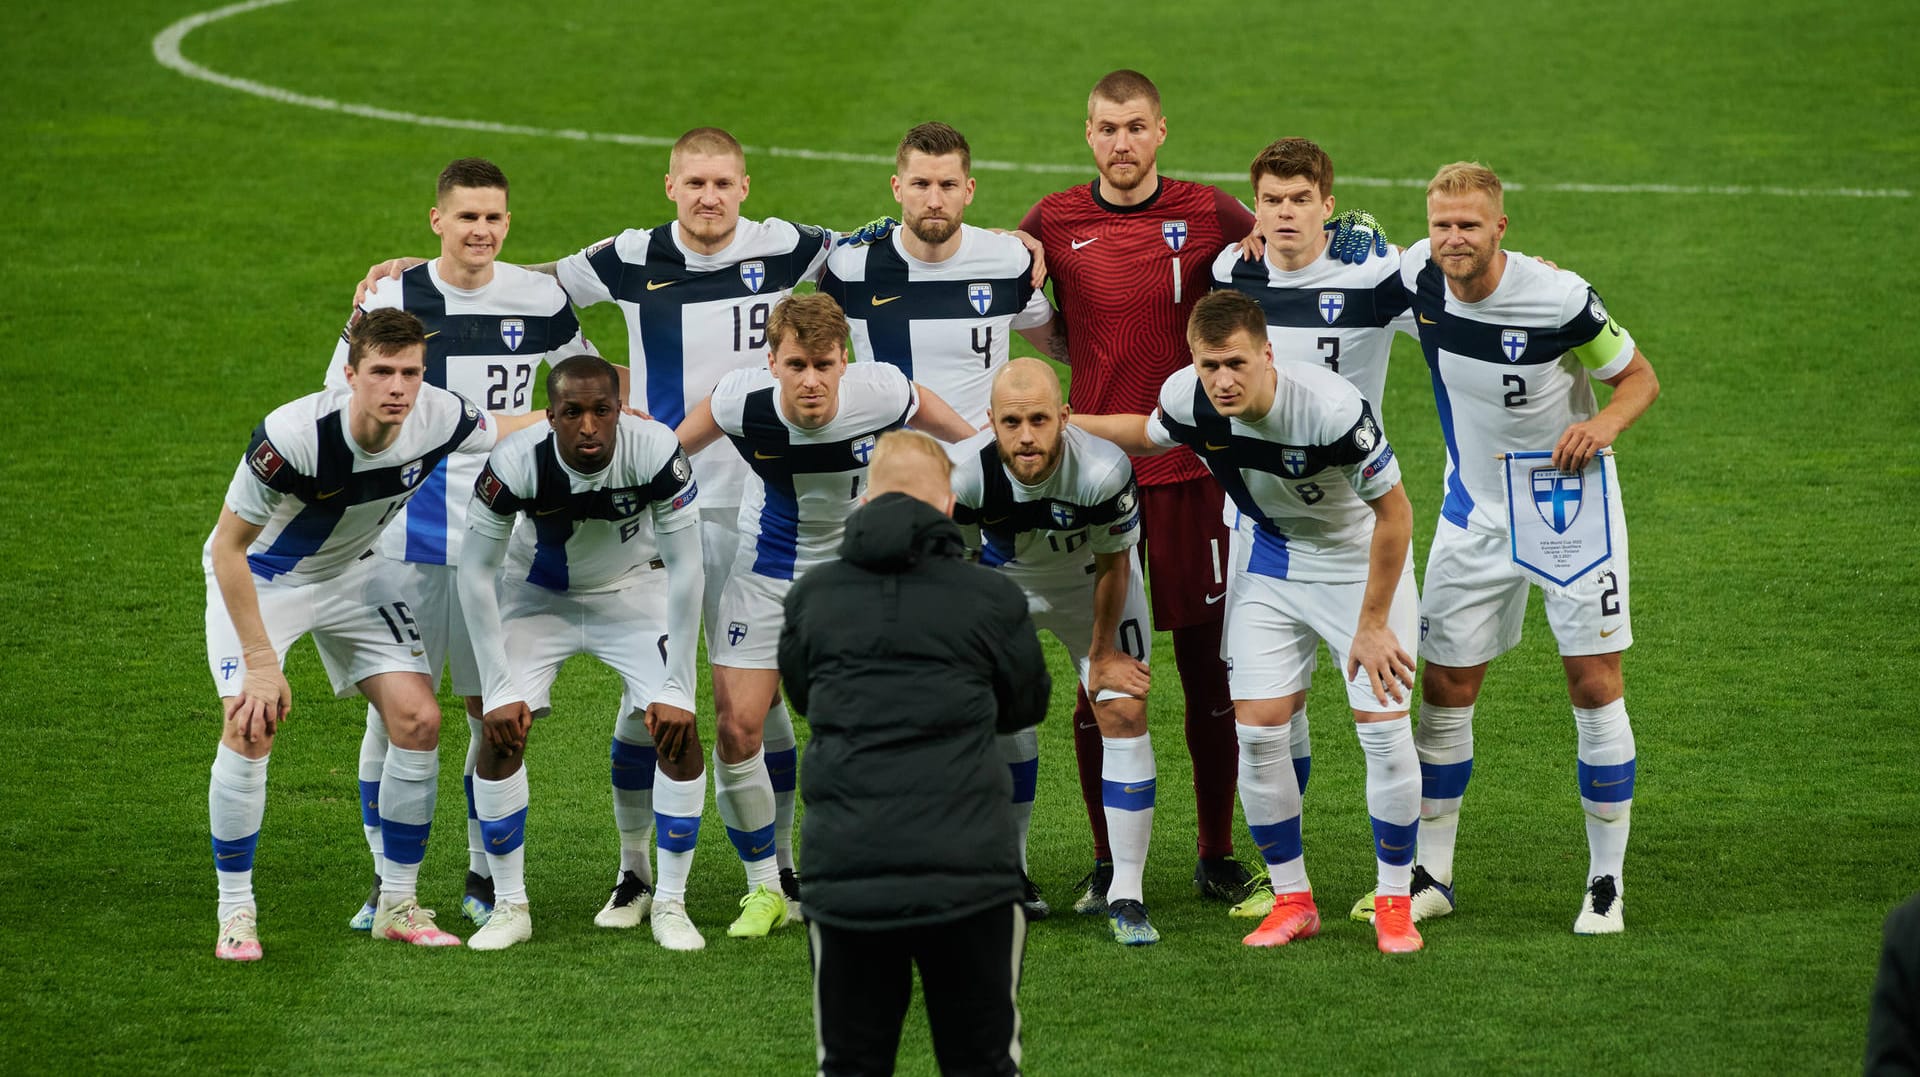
<point x="633" y="764"/>
<point x="466" y="780"/>
<point x="235" y="855"/>
<point x="1026" y="779"/>
<point x="1393" y="842"/>
<point x="1445" y="781"/>
<point x="1302" y="768"/>
<point x="370" y="803"/>
<point x="503" y="836"/>
<point x="676" y="834"/>
<point x="1606" y="784"/>
<point x="1127" y="796"/>
<point x="783" y="769"/>
<point x="1278" y="842"/>
<point x="404" y="843"/>
<point x="752" y="845"/>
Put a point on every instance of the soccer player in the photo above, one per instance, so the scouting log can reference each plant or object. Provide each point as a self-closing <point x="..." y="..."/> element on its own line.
<point x="1130" y="254"/>
<point x="489" y="327"/>
<point x="1512" y="345"/>
<point x="938" y="298"/>
<point x="292" y="554"/>
<point x="1325" y="532"/>
<point x="807" y="424"/>
<point x="580" y="578"/>
<point x="1319" y="310"/>
<point x="1055" y="505"/>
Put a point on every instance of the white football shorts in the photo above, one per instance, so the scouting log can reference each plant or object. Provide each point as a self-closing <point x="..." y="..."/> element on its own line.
<point x="1274" y="627"/>
<point x="361" y="622"/>
<point x="1064" y="607"/>
<point x="752" y="613"/>
<point x="435" y="601"/>
<point x="625" y="628"/>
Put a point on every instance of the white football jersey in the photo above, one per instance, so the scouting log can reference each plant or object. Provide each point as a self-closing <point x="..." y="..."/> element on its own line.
<point x="577" y="532"/>
<point x="321" y="499"/>
<point x="809" y="481"/>
<point x="486" y="344"/>
<point x="1329" y="313"/>
<point x="1046" y="535"/>
<point x="692" y="318"/>
<point x="1510" y="373"/>
<point x="1300" y="475"/>
<point x="944" y="324"/>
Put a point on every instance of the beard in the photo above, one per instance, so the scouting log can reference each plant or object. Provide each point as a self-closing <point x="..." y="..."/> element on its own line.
<point x="936" y="232"/>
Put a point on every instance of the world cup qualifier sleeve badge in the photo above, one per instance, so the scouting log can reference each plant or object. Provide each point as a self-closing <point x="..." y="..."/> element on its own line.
<point x="1557" y="521"/>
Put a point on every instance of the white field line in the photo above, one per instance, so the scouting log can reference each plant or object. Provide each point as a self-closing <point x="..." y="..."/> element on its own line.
<point x="166" y="49"/>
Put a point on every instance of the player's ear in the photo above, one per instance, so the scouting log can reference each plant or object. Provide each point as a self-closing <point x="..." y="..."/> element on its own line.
<point x="746" y="181"/>
<point x="433" y="219"/>
<point x="895" y="182"/>
<point x="970" y="185"/>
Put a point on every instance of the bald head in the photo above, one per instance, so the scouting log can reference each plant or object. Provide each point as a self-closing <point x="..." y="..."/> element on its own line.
<point x="1028" y="419"/>
<point x="1027" y="380"/>
<point x="909" y="462"/>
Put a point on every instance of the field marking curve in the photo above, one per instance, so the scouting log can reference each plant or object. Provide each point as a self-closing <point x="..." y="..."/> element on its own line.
<point x="166" y="50"/>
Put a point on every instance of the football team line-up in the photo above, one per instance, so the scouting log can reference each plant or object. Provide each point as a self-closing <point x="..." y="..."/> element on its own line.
<point x="1222" y="432"/>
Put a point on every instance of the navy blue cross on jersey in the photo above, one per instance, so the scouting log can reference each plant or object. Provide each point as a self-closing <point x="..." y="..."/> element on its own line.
<point x="1331" y="304"/>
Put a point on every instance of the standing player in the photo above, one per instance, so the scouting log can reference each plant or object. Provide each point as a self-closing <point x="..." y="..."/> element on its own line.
<point x="1055" y="505"/>
<point x="1512" y="344"/>
<point x="581" y="578"/>
<point x="938" y="298"/>
<point x="1325" y="532"/>
<point x="292" y="555"/>
<point x="1319" y="310"/>
<point x="808" y="424"/>
<point x="489" y="327"/>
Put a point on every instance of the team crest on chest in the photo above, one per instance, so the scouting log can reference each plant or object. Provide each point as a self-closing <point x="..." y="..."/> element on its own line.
<point x="1556" y="497"/>
<point x="1293" y="462"/>
<point x="410" y="475"/>
<point x="1331" y="304"/>
<point x="862" y="448"/>
<point x="1063" y="516"/>
<point x="512" y="332"/>
<point x="625" y="503"/>
<point x="1175" y="233"/>
<point x="1514" y="343"/>
<point x="753" y="275"/>
<point x="981" y="296"/>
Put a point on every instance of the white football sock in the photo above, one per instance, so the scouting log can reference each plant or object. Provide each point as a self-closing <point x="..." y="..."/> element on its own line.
<point x="236" y="801"/>
<point x="1606" y="770"/>
<point x="783" y="771"/>
<point x="676" y="823"/>
<point x="373" y="758"/>
<point x="1393" y="800"/>
<point x="1021" y="753"/>
<point x="634" y="765"/>
<point x="408" y="783"/>
<point x="744" y="794"/>
<point x="1300" y="746"/>
<point x="1444" y="742"/>
<point x="476" y="848"/>
<point x="503" y="826"/>
<point x="1270" y="796"/>
<point x="1127" y="772"/>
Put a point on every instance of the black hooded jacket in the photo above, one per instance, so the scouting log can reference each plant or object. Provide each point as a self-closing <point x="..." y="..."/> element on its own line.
<point x="907" y="660"/>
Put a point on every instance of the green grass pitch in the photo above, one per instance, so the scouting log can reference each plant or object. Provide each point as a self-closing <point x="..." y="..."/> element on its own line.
<point x="178" y="257"/>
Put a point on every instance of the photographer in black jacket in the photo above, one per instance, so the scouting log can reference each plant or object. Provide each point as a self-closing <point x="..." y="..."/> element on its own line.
<point x="907" y="660"/>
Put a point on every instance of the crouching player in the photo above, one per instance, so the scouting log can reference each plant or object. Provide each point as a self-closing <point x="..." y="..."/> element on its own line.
<point x="1056" y="506"/>
<point x="581" y="578"/>
<point x="1326" y="527"/>
<point x="292" y="555"/>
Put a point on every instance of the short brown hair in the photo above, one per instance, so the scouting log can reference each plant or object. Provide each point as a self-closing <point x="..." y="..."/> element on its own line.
<point x="1289" y="157"/>
<point x="1219" y="315"/>
<point x="477" y="172"/>
<point x="813" y="320"/>
<point x="387" y="330"/>
<point x="710" y="141"/>
<point x="1464" y="177"/>
<point x="935" y="140"/>
<point x="1122" y="86"/>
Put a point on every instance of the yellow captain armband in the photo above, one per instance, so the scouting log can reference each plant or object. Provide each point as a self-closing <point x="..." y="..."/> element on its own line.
<point x="1608" y="344"/>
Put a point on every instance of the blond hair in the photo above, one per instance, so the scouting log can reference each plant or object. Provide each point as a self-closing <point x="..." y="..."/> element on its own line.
<point x="706" y="142"/>
<point x="1466" y="177"/>
<point x="1122" y="86"/>
<point x="909" y="462"/>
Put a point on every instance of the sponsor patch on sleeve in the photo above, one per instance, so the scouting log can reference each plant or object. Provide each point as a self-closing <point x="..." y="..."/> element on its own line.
<point x="488" y="487"/>
<point x="265" y="461"/>
<point x="1379" y="464"/>
<point x="686" y="496"/>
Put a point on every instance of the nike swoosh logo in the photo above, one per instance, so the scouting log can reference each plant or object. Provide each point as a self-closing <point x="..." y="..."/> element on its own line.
<point x="226" y="856"/>
<point x="1211" y="447"/>
<point x="1223" y="711"/>
<point x="1079" y="243"/>
<point x="1147" y="788"/>
<point x="1264" y="848"/>
<point x="1424" y="320"/>
<point x="1211" y="599"/>
<point x="328" y="494"/>
<point x="672" y="833"/>
<point x="879" y="302"/>
<point x="656" y="285"/>
<point x="551" y="511"/>
<point x="1605" y="632"/>
<point x="758" y="849"/>
<point x="373" y="805"/>
<point x="1396" y="848"/>
<point x="1598" y="784"/>
<point x="758" y="455"/>
<point x="431" y="335"/>
<point x="996" y="520"/>
<point x="503" y="841"/>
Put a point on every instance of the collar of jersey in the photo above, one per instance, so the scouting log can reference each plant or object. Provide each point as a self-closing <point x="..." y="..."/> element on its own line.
<point x="1159" y="188"/>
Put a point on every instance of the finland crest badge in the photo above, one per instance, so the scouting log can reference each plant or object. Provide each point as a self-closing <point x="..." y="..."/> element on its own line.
<point x="626" y="502"/>
<point x="862" y="448"/>
<point x="410" y="475"/>
<point x="1557" y="521"/>
<point x="1293" y="462"/>
<point x="1331" y="304"/>
<point x="980" y="294"/>
<point x="753" y="275"/>
<point x="1064" y="518"/>
<point x="1175" y="233"/>
<point x="512" y="332"/>
<point x="1514" y="343"/>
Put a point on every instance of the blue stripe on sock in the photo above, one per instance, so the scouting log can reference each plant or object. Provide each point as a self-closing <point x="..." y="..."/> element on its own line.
<point x="1026" y="779"/>
<point x="370" y="803"/>
<point x="404" y="843"/>
<point x="1278" y="842"/>
<point x="1127" y="796"/>
<point x="1608" y="784"/>
<point x="1445" y="781"/>
<point x="1302" y="767"/>
<point x="783" y="769"/>
<point x="752" y="844"/>
<point x="675" y="833"/>
<point x="633" y="764"/>
<point x="467" y="781"/>
<point x="235" y="855"/>
<point x="1393" y="842"/>
<point x="503" y="836"/>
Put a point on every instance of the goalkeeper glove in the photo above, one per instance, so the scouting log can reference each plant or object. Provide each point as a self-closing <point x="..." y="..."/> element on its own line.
<point x="1356" y="236"/>
<point x="871" y="232"/>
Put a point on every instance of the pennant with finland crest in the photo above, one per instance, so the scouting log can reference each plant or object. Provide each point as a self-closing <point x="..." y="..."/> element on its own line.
<point x="1557" y="521"/>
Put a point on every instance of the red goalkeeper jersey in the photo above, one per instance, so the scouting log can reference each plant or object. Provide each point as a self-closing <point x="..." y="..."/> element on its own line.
<point x="1125" y="279"/>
